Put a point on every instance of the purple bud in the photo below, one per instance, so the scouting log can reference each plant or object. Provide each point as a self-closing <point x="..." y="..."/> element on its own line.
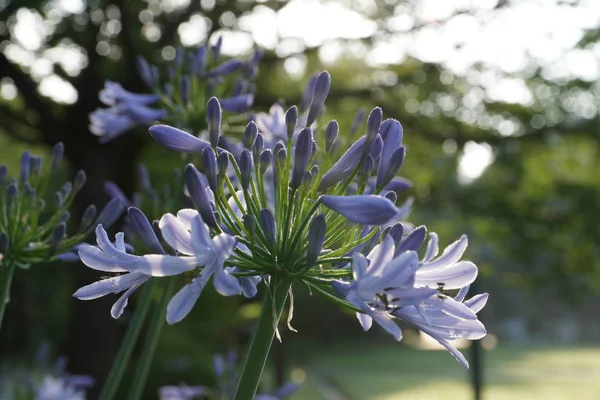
<point x="114" y="191"/>
<point x="11" y="191"/>
<point x="143" y="230"/>
<point x="79" y="180"/>
<point x="88" y="217"/>
<point x="258" y="146"/>
<point x="306" y="180"/>
<point x="391" y="133"/>
<point x="29" y="191"/>
<point x="110" y="213"/>
<point x="265" y="160"/>
<point x="376" y="148"/>
<point x="362" y="209"/>
<point x="397" y="231"/>
<point x="225" y="68"/>
<point x="316" y="238"/>
<point x="269" y="229"/>
<point x="57" y="154"/>
<point x="308" y="92"/>
<point x="144" y="177"/>
<point x="345" y="165"/>
<point x="222" y="164"/>
<point x="358" y="120"/>
<point x="197" y="191"/>
<point x="239" y="88"/>
<point x="209" y="166"/>
<point x="373" y="123"/>
<point x="145" y="72"/>
<point x="198" y="60"/>
<point x="3" y="173"/>
<point x="213" y="118"/>
<point x="392" y="167"/>
<point x="302" y="152"/>
<point x="58" y="199"/>
<point x="250" y="134"/>
<point x="291" y="120"/>
<point x="249" y="223"/>
<point x="58" y="234"/>
<point x="331" y="133"/>
<point x="185" y="89"/>
<point x="392" y="196"/>
<point x="245" y="168"/>
<point x="322" y="84"/>
<point x="176" y="139"/>
<point x="66" y="190"/>
<point x="64" y="217"/>
<point x="179" y="55"/>
<point x="35" y="164"/>
<point x="413" y="241"/>
<point x="238" y="104"/>
<point x="25" y="166"/>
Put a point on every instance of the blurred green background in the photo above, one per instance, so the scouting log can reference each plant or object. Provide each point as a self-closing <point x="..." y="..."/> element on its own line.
<point x="499" y="103"/>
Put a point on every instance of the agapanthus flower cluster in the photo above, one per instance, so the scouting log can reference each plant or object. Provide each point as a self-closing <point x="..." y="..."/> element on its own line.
<point x="179" y="94"/>
<point x="33" y="224"/>
<point x="226" y="373"/>
<point x="288" y="208"/>
<point x="42" y="380"/>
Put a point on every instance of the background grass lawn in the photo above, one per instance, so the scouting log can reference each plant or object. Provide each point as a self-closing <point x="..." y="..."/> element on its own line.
<point x="390" y="372"/>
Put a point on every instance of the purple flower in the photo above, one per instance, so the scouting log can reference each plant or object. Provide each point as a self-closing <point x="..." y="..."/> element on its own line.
<point x="387" y="286"/>
<point x="362" y="209"/>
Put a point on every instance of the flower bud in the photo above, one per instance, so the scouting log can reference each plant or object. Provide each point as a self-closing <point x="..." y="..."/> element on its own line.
<point x="362" y="209"/>
<point x="110" y="213"/>
<point x="373" y="123"/>
<point x="302" y="153"/>
<point x="396" y="232"/>
<point x="213" y="119"/>
<point x="250" y="134"/>
<point x="196" y="186"/>
<point x="185" y="89"/>
<point x="57" y="155"/>
<point x="245" y="168"/>
<point x="58" y="234"/>
<point x="11" y="191"/>
<point x="258" y="146"/>
<point x="316" y="238"/>
<point x="321" y="89"/>
<point x="143" y="230"/>
<point x="222" y="165"/>
<point x="3" y="173"/>
<point x="216" y="49"/>
<point x="88" y="217"/>
<point x="392" y="196"/>
<point x="291" y="120"/>
<point x="25" y="166"/>
<point x="210" y="169"/>
<point x="265" y="160"/>
<point x="267" y="224"/>
<point x="413" y="241"/>
<point x="29" y="191"/>
<point x="35" y="165"/>
<point x="225" y="68"/>
<point x="389" y="171"/>
<point x="358" y="120"/>
<point x="249" y="223"/>
<point x="331" y="133"/>
<point x="79" y="180"/>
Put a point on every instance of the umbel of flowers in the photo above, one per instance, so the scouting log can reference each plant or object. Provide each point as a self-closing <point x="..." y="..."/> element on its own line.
<point x="179" y="94"/>
<point x="288" y="209"/>
<point x="33" y="223"/>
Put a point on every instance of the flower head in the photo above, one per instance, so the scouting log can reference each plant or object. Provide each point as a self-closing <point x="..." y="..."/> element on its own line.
<point x="177" y="97"/>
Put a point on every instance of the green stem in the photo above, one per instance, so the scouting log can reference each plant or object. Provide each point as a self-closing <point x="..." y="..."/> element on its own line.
<point x="6" y="273"/>
<point x="157" y="321"/>
<point x="258" y="352"/>
<point x="126" y="350"/>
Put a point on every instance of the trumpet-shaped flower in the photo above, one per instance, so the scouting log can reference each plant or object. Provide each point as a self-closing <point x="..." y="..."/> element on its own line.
<point x="388" y="285"/>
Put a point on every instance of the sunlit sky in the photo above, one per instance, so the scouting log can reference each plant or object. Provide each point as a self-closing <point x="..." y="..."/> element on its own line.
<point x="507" y="42"/>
